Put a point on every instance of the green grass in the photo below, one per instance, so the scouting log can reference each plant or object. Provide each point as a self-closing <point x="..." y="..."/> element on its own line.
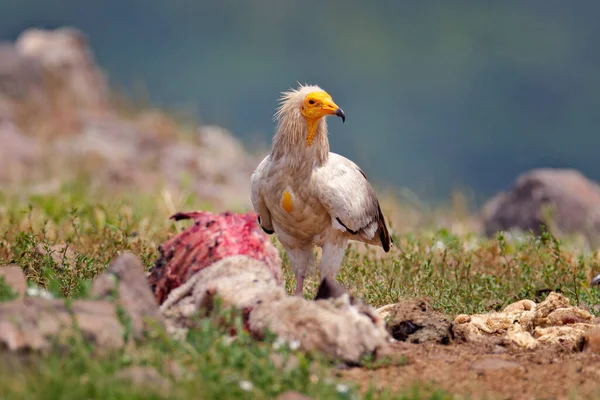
<point x="464" y="274"/>
<point x="6" y="292"/>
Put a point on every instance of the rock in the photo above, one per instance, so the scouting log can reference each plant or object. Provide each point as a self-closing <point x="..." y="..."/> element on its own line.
<point x="574" y="200"/>
<point x="19" y="155"/>
<point x="144" y="378"/>
<point x="462" y="319"/>
<point x="37" y="324"/>
<point x="414" y="321"/>
<point x="292" y="395"/>
<point x="526" y="325"/>
<point x="519" y="337"/>
<point x="21" y="77"/>
<point x="568" y="336"/>
<point x="569" y="315"/>
<point x="218" y="163"/>
<point x="521" y="305"/>
<point x="52" y="90"/>
<point x="494" y="364"/>
<point x="62" y="255"/>
<point x="553" y="301"/>
<point x="126" y="275"/>
<point x="211" y="238"/>
<point x="116" y="152"/>
<point x="15" y="278"/>
<point x="64" y="52"/>
<point x="99" y="323"/>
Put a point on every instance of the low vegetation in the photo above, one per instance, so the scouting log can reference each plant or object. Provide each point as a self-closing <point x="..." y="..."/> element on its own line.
<point x="62" y="241"/>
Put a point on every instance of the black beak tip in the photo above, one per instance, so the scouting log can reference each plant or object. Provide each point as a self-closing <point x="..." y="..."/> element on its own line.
<point x="340" y="113"/>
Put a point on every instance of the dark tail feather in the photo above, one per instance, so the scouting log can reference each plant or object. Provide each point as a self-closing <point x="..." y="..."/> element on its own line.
<point x="384" y="235"/>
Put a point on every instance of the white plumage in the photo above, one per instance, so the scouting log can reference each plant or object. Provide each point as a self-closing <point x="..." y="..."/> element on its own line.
<point x="309" y="196"/>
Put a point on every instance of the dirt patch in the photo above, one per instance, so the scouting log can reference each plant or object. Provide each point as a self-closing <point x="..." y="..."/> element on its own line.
<point x="487" y="370"/>
<point x="480" y="356"/>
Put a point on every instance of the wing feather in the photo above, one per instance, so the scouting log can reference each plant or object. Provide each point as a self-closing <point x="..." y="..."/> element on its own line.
<point x="257" y="183"/>
<point x="343" y="189"/>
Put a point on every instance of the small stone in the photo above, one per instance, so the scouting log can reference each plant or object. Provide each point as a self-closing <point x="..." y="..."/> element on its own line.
<point x="462" y="319"/>
<point x="521" y="305"/>
<point x="15" y="278"/>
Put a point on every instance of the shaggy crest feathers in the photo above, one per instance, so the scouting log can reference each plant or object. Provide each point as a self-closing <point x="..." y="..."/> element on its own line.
<point x="290" y="135"/>
<point x="292" y="98"/>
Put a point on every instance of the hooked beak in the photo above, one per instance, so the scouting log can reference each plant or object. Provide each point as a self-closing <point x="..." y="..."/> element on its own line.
<point x="340" y="113"/>
<point x="328" y="107"/>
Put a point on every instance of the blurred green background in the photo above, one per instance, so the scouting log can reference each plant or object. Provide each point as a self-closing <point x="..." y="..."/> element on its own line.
<point x="439" y="94"/>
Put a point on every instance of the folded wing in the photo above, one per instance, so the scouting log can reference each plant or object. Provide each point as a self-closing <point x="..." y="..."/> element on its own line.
<point x="257" y="183"/>
<point x="347" y="195"/>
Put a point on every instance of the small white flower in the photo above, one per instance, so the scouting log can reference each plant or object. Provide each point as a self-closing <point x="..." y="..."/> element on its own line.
<point x="278" y="343"/>
<point x="294" y="345"/>
<point x="341" y="388"/>
<point x="227" y="340"/>
<point x="246" y="386"/>
<point x="470" y="245"/>
<point x="439" y="245"/>
<point x="35" y="291"/>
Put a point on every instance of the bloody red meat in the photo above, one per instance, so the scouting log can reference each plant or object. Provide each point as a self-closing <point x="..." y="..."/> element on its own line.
<point x="210" y="238"/>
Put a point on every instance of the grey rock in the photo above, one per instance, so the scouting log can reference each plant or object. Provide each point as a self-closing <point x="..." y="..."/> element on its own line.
<point x="126" y="280"/>
<point x="37" y="324"/>
<point x="563" y="200"/>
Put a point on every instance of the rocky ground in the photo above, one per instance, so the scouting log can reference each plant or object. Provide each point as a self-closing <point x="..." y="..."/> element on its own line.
<point x="59" y="122"/>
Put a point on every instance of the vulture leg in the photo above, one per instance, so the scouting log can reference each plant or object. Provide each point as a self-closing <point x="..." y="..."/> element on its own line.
<point x="331" y="258"/>
<point x="300" y="260"/>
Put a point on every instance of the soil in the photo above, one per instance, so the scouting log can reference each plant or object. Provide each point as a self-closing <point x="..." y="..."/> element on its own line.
<point x="487" y="371"/>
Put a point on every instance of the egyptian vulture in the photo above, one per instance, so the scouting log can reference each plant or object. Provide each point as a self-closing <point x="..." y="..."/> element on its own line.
<point x="309" y="196"/>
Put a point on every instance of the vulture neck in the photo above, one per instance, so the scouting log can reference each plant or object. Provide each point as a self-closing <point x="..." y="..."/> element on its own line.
<point x="297" y="148"/>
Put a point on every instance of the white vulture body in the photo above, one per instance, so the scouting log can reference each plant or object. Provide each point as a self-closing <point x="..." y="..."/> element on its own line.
<point x="309" y="196"/>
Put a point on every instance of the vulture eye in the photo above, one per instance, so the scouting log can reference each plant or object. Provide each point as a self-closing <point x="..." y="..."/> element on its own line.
<point x="311" y="102"/>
